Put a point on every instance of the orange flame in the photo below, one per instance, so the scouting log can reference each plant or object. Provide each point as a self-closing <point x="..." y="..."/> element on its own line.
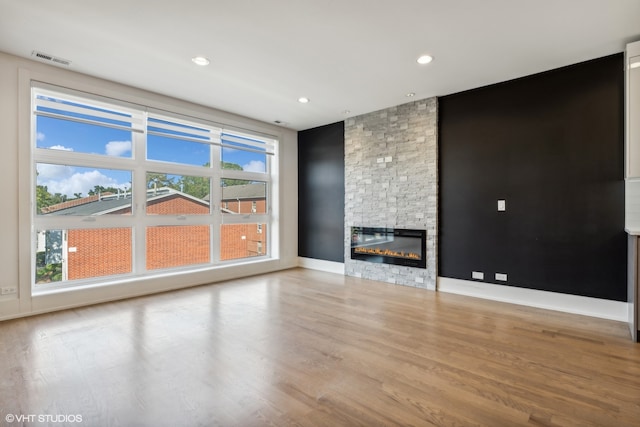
<point x="386" y="252"/>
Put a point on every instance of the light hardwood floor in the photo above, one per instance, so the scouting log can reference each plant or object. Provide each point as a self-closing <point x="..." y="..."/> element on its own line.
<point x="306" y="348"/>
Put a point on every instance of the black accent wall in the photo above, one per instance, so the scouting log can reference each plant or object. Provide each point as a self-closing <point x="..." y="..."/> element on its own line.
<point x="321" y="193"/>
<point x="552" y="145"/>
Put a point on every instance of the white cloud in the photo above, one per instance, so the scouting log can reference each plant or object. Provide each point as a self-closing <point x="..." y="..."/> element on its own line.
<point x="60" y="147"/>
<point x="47" y="172"/>
<point x="40" y="136"/>
<point x="78" y="182"/>
<point x="117" y="148"/>
<point x="254" y="166"/>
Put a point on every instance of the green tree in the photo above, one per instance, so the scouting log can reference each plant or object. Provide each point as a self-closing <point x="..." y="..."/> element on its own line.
<point x="45" y="199"/>
<point x="228" y="165"/>
<point x="227" y="182"/>
<point x="157" y="180"/>
<point x="195" y="186"/>
<point x="99" y="189"/>
<point x="49" y="273"/>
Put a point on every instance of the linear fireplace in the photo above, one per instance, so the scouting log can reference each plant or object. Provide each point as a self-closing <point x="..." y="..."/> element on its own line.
<point x="389" y="246"/>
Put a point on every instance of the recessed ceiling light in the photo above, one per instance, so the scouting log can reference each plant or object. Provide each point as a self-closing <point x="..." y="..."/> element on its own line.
<point x="200" y="60"/>
<point x="345" y="112"/>
<point x="303" y="100"/>
<point x="425" y="59"/>
<point x="634" y="64"/>
<point x="411" y="94"/>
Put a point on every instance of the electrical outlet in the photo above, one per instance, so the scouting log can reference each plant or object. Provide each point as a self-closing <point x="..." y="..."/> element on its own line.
<point x="501" y="276"/>
<point x="7" y="290"/>
<point x="477" y="275"/>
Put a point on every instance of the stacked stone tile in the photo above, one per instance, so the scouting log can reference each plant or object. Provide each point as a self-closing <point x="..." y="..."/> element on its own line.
<point x="391" y="180"/>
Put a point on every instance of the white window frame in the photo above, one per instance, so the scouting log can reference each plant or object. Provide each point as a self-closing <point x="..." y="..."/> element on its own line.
<point x="138" y="221"/>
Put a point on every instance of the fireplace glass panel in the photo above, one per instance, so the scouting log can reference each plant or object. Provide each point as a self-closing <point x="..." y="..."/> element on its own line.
<point x="389" y="246"/>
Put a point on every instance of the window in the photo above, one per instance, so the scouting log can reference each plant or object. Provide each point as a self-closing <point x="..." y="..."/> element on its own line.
<point x="177" y="194"/>
<point x="76" y="254"/>
<point x="241" y="241"/>
<point x="120" y="190"/>
<point x="174" y="246"/>
<point x="178" y="142"/>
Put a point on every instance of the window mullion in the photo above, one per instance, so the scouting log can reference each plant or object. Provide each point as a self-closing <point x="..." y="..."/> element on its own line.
<point x="139" y="201"/>
<point x="44" y="155"/>
<point x="214" y="200"/>
<point x="245" y="219"/>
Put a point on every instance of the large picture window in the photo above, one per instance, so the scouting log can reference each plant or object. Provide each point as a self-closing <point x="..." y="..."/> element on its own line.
<point x="120" y="190"/>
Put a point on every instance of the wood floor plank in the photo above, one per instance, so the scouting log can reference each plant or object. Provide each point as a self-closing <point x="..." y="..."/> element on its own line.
<point x="305" y="348"/>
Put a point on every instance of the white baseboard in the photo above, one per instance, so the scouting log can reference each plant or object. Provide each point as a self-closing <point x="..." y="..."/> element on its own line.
<point x="594" y="307"/>
<point x="318" y="264"/>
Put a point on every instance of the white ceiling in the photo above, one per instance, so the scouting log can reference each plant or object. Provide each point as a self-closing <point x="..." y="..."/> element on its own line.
<point x="356" y="55"/>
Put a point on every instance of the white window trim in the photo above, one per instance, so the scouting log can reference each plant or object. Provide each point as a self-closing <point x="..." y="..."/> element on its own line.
<point x="138" y="165"/>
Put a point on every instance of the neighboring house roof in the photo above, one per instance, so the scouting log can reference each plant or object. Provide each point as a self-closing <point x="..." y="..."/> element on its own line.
<point x="109" y="203"/>
<point x="256" y="190"/>
<point x="96" y="207"/>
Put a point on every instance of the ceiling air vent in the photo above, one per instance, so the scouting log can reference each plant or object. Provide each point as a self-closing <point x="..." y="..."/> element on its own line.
<point x="50" y="58"/>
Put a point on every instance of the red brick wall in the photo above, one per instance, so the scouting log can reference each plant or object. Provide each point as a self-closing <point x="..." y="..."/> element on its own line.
<point x="173" y="246"/>
<point x="99" y="252"/>
<point x="103" y="252"/>
<point x="233" y="246"/>
<point x="176" y="205"/>
<point x="245" y="206"/>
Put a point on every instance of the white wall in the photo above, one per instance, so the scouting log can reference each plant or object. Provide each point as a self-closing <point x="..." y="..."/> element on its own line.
<point x="15" y="264"/>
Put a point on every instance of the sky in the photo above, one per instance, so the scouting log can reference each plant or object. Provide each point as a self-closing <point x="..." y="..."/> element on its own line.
<point x="79" y="137"/>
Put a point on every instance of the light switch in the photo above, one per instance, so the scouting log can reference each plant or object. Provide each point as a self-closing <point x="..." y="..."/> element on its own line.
<point x="502" y="205"/>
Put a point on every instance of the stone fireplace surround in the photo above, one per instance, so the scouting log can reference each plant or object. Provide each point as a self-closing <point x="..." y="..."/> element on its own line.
<point x="391" y="163"/>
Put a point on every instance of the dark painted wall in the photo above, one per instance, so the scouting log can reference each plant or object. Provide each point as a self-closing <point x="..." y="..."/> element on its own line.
<point x="552" y="145"/>
<point x="321" y="193"/>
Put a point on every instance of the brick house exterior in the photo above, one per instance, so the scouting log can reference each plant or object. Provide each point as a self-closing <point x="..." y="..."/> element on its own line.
<point x="102" y="252"/>
<point x="86" y="257"/>
<point x="243" y="240"/>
